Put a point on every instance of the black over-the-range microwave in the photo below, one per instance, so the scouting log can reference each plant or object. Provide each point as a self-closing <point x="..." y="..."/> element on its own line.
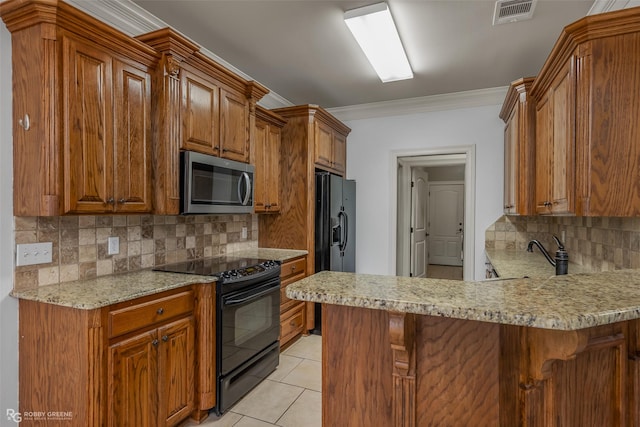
<point x="212" y="185"/>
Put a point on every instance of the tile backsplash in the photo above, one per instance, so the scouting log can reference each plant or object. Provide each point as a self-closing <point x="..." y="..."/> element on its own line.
<point x="80" y="243"/>
<point x="600" y="243"/>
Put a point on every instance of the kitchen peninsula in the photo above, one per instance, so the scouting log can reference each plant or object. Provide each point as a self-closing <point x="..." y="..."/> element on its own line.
<point x="400" y="351"/>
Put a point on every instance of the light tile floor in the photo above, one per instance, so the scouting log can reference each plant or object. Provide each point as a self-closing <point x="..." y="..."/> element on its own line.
<point x="444" y="272"/>
<point x="290" y="397"/>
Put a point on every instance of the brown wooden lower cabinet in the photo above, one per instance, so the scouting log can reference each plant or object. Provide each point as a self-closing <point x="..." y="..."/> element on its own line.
<point x="136" y="363"/>
<point x="151" y="376"/>
<point x="292" y="324"/>
<point x="293" y="314"/>
<point x="395" y="369"/>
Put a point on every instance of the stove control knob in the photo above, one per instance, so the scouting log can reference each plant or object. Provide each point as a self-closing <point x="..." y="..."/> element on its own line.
<point x="226" y="275"/>
<point x="234" y="273"/>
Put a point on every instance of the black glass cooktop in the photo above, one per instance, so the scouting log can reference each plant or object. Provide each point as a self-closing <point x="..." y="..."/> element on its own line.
<point x="213" y="266"/>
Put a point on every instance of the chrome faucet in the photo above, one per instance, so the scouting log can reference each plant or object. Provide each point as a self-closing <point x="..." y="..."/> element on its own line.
<point x="561" y="261"/>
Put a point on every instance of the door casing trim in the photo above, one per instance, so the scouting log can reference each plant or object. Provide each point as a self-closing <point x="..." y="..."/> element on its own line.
<point x="401" y="162"/>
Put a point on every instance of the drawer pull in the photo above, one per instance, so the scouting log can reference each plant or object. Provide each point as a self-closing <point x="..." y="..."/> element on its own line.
<point x="165" y="338"/>
<point x="160" y="310"/>
<point x="293" y="323"/>
<point x="155" y="343"/>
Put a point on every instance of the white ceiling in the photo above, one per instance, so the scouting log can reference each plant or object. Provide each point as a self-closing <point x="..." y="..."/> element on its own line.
<point x="303" y="51"/>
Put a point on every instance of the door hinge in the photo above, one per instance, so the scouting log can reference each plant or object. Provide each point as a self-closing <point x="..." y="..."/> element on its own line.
<point x="410" y="274"/>
<point x="412" y="184"/>
<point x="411" y="230"/>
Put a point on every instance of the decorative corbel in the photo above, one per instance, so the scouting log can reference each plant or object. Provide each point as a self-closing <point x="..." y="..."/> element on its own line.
<point x="402" y="330"/>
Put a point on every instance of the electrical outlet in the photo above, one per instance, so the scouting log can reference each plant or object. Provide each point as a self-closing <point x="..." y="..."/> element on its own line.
<point x="114" y="246"/>
<point x="34" y="253"/>
<point x="243" y="234"/>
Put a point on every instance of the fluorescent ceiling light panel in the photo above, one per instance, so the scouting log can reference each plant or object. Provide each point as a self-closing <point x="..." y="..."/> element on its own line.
<point x="376" y="33"/>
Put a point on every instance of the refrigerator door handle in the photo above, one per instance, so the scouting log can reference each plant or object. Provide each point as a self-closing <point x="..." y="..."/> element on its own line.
<point x="344" y="219"/>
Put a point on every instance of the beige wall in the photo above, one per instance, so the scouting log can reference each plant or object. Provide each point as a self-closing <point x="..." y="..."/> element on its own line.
<point x="80" y="243"/>
<point x="601" y="243"/>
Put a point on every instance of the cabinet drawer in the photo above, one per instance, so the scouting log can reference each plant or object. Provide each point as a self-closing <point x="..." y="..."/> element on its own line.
<point x="293" y="270"/>
<point x="292" y="323"/>
<point x="285" y="302"/>
<point x="128" y="319"/>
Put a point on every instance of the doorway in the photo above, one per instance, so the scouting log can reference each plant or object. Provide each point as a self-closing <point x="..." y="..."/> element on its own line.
<point x="445" y="219"/>
<point x="435" y="229"/>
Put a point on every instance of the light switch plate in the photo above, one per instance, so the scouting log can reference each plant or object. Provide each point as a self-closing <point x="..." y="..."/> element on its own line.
<point x="114" y="246"/>
<point x="34" y="253"/>
<point x="243" y="233"/>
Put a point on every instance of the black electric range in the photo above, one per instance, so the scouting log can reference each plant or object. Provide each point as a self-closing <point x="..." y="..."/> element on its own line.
<point x="247" y="320"/>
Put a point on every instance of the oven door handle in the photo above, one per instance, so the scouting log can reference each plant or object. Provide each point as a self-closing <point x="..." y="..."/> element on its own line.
<point x="246" y="297"/>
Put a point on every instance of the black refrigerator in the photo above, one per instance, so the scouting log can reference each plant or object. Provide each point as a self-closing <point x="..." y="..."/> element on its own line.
<point x="335" y="228"/>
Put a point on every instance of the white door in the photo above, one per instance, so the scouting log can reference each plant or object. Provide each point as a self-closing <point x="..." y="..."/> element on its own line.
<point x="446" y="231"/>
<point x="419" y="201"/>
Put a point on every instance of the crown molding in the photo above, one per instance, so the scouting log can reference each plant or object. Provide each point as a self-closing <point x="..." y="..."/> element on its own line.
<point x="133" y="20"/>
<point x="424" y="104"/>
<point x="125" y="16"/>
<point x="272" y="101"/>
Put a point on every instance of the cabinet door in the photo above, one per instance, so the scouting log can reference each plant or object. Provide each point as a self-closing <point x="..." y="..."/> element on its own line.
<point x="261" y="140"/>
<point x="200" y="115"/>
<point x="563" y="156"/>
<point x="511" y="162"/>
<point x="323" y="145"/>
<point x="339" y="152"/>
<point x="132" y="108"/>
<point x="555" y="146"/>
<point x="273" y="168"/>
<point x="544" y="146"/>
<point x="234" y="117"/>
<point x="133" y="382"/>
<point x="176" y="365"/>
<point x="88" y="134"/>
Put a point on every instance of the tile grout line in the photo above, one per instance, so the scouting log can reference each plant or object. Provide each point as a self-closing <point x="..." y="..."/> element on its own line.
<point x="297" y="398"/>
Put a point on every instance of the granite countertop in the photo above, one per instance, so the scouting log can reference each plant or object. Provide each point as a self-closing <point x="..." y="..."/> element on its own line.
<point x="570" y="302"/>
<point x="516" y="264"/>
<point x="106" y="290"/>
<point x="270" y="253"/>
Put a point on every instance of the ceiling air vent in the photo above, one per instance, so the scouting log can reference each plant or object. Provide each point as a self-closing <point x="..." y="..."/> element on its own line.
<point x="513" y="10"/>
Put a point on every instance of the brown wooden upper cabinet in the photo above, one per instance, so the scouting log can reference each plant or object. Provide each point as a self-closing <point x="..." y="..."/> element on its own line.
<point x="330" y="148"/>
<point x="201" y="114"/>
<point x="587" y="116"/>
<point x="81" y="111"/>
<point x="267" y="142"/>
<point x="234" y="118"/>
<point x="518" y="113"/>
<point x="215" y="120"/>
<point x="199" y="106"/>
<point x="555" y="145"/>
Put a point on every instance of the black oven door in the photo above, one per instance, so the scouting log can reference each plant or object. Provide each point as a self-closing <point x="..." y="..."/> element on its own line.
<point x="249" y="323"/>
